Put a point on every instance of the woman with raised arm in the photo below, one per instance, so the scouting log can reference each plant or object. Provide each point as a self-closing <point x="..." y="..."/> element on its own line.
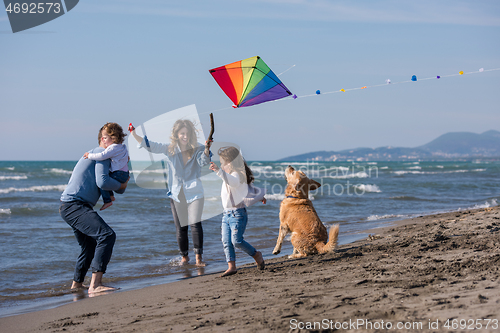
<point x="185" y="158"/>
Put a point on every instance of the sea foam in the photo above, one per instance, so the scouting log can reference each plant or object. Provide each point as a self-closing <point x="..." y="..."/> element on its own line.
<point x="13" y="177"/>
<point x="416" y="172"/>
<point x="281" y="196"/>
<point x="299" y="163"/>
<point x="368" y="188"/>
<point x="43" y="188"/>
<point x="59" y="171"/>
<point x="348" y="175"/>
<point x="487" y="204"/>
<point x="381" y="217"/>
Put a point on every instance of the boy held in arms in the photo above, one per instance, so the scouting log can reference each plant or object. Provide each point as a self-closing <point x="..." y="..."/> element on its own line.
<point x="111" y="137"/>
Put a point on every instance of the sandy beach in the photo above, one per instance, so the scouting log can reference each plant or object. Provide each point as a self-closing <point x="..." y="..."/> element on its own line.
<point x="436" y="273"/>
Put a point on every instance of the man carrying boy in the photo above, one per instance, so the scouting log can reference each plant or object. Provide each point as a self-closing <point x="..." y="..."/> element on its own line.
<point x="94" y="236"/>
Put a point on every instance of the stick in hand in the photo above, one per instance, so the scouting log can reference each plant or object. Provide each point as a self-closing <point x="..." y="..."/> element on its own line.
<point x="212" y="128"/>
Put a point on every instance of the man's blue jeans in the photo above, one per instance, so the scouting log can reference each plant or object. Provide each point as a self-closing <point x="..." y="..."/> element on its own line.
<point x="94" y="236"/>
<point x="121" y="176"/>
<point x="234" y="223"/>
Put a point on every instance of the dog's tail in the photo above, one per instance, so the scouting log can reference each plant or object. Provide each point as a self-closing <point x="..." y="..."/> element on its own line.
<point x="332" y="240"/>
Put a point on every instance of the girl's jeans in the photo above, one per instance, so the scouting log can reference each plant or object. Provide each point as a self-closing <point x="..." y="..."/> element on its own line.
<point x="234" y="223"/>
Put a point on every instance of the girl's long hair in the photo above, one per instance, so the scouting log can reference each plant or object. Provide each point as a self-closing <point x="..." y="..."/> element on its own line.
<point x="238" y="164"/>
<point x="174" y="137"/>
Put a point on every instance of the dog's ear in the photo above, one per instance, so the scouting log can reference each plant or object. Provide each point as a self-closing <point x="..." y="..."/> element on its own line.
<point x="313" y="185"/>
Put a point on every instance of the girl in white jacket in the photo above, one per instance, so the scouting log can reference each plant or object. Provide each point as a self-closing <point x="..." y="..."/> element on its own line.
<point x="236" y="176"/>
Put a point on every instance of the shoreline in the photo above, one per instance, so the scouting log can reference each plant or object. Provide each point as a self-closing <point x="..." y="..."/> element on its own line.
<point x="423" y="270"/>
<point x="67" y="297"/>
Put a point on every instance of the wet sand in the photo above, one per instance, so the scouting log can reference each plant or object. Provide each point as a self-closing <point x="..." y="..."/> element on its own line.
<point x="417" y="274"/>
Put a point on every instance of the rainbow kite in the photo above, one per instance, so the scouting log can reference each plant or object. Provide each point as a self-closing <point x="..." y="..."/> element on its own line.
<point x="249" y="82"/>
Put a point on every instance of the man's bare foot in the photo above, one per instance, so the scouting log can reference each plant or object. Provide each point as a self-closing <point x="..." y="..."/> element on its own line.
<point x="199" y="261"/>
<point x="106" y="205"/>
<point x="101" y="289"/>
<point x="75" y="286"/>
<point x="229" y="272"/>
<point x="113" y="198"/>
<point x="79" y="289"/>
<point x="185" y="260"/>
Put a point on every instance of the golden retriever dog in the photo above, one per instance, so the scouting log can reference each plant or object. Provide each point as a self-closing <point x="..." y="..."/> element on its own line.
<point x="298" y="216"/>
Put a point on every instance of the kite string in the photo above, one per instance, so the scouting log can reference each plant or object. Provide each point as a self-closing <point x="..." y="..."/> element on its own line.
<point x="286" y="70"/>
<point x="366" y="87"/>
<point x="392" y="83"/>
<point x="216" y="110"/>
<point x="357" y="88"/>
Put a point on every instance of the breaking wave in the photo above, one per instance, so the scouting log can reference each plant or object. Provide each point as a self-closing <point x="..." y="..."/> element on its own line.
<point x="281" y="196"/>
<point x="43" y="188"/>
<point x="381" y="217"/>
<point x="59" y="171"/>
<point x="13" y="177"/>
<point x="368" y="188"/>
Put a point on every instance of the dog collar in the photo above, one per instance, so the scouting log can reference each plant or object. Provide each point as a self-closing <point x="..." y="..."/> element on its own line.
<point x="291" y="196"/>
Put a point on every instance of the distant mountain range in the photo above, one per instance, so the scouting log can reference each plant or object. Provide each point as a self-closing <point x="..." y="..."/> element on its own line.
<point x="462" y="145"/>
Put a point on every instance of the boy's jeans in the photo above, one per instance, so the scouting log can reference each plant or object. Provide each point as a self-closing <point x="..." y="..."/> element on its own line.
<point x="121" y="176"/>
<point x="234" y="223"/>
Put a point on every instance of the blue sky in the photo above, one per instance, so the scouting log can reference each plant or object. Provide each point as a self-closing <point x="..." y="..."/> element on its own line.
<point x="130" y="61"/>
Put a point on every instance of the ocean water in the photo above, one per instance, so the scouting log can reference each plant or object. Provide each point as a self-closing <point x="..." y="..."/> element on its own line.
<point x="39" y="250"/>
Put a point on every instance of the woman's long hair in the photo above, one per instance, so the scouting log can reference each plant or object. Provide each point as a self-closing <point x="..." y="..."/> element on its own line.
<point x="174" y="137"/>
<point x="232" y="155"/>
